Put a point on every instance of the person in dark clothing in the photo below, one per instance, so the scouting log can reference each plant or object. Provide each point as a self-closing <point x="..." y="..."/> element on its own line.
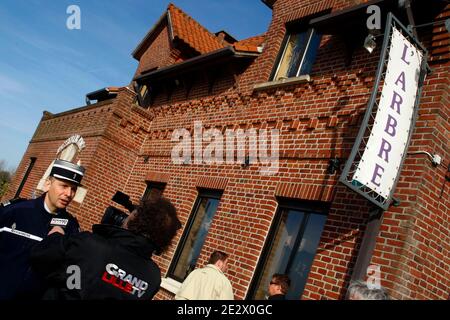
<point x="112" y="262"/>
<point x="23" y="224"/>
<point x="279" y="286"/>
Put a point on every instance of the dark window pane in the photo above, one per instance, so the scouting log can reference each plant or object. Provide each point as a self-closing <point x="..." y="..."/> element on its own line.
<point x="311" y="53"/>
<point x="291" y="250"/>
<point x="299" y="54"/>
<point x="298" y="46"/>
<point x="195" y="237"/>
<point x="304" y="255"/>
<point x="154" y="188"/>
<point x="291" y="59"/>
<point x="282" y="249"/>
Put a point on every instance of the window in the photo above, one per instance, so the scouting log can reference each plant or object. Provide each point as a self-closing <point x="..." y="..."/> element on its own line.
<point x="195" y="234"/>
<point x="290" y="248"/>
<point x="154" y="188"/>
<point x="143" y="96"/>
<point x="299" y="53"/>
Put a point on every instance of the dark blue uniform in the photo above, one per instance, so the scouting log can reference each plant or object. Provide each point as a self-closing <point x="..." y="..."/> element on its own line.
<point x="17" y="280"/>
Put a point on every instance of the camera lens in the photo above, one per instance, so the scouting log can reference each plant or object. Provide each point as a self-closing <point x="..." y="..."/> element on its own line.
<point x="114" y="216"/>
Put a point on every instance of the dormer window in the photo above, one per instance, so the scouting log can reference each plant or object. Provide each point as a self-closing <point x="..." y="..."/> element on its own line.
<point x="298" y="55"/>
<point x="143" y="97"/>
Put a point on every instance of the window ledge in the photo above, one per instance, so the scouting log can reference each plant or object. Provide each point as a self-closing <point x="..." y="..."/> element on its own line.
<point x="170" y="285"/>
<point x="281" y="83"/>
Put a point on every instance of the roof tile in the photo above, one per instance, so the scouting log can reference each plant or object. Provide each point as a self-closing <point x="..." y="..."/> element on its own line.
<point x="191" y="32"/>
<point x="250" y="44"/>
<point x="186" y="29"/>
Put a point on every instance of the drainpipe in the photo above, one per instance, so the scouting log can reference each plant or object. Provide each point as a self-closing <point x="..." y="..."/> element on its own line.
<point x="367" y="245"/>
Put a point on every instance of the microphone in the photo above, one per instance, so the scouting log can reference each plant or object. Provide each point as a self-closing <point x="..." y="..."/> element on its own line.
<point x="59" y="222"/>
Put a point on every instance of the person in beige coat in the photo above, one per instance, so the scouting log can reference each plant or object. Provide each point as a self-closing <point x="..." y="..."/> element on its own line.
<point x="208" y="283"/>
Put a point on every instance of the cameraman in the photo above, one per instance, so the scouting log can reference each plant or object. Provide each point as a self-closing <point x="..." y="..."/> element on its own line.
<point x="112" y="262"/>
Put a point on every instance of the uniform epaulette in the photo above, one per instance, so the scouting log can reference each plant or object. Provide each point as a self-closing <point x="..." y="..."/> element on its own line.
<point x="11" y="201"/>
<point x="4" y="204"/>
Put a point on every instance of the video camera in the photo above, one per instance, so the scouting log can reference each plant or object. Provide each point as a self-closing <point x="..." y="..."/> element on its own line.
<point x="114" y="216"/>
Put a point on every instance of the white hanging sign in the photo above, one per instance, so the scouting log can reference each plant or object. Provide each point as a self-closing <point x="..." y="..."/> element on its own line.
<point x="382" y="158"/>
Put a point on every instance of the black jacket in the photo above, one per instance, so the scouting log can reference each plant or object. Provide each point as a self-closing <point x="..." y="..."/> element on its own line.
<point x="22" y="226"/>
<point x="277" y="297"/>
<point x="113" y="263"/>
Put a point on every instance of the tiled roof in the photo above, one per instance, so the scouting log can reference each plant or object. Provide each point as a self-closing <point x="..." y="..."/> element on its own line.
<point x="250" y="44"/>
<point x="113" y="89"/>
<point x="191" y="32"/>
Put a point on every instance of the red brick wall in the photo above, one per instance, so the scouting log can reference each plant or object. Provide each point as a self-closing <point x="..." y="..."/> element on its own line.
<point x="114" y="157"/>
<point x="52" y="131"/>
<point x="414" y="243"/>
<point x="158" y="53"/>
<point x="318" y="120"/>
<point x="338" y="248"/>
<point x="439" y="47"/>
<point x="113" y="134"/>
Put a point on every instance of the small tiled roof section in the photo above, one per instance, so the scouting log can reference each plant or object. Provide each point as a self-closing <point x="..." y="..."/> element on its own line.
<point x="113" y="89"/>
<point x="191" y="32"/>
<point x="250" y="44"/>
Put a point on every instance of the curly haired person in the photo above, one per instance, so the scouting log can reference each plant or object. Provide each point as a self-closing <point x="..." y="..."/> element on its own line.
<point x="112" y="262"/>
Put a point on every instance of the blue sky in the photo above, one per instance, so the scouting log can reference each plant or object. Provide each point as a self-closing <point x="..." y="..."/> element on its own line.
<point x="46" y="66"/>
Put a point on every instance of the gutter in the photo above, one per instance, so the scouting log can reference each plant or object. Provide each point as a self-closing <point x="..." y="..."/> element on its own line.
<point x="269" y="3"/>
<point x="227" y="52"/>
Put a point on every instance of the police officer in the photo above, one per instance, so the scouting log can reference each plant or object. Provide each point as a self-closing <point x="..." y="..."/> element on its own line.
<point x="26" y="223"/>
<point x="113" y="262"/>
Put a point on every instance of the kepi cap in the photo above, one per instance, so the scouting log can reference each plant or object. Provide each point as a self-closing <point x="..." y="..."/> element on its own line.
<point x="68" y="171"/>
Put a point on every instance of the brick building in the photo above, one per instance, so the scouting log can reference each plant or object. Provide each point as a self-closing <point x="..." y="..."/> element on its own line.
<point x="298" y="219"/>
